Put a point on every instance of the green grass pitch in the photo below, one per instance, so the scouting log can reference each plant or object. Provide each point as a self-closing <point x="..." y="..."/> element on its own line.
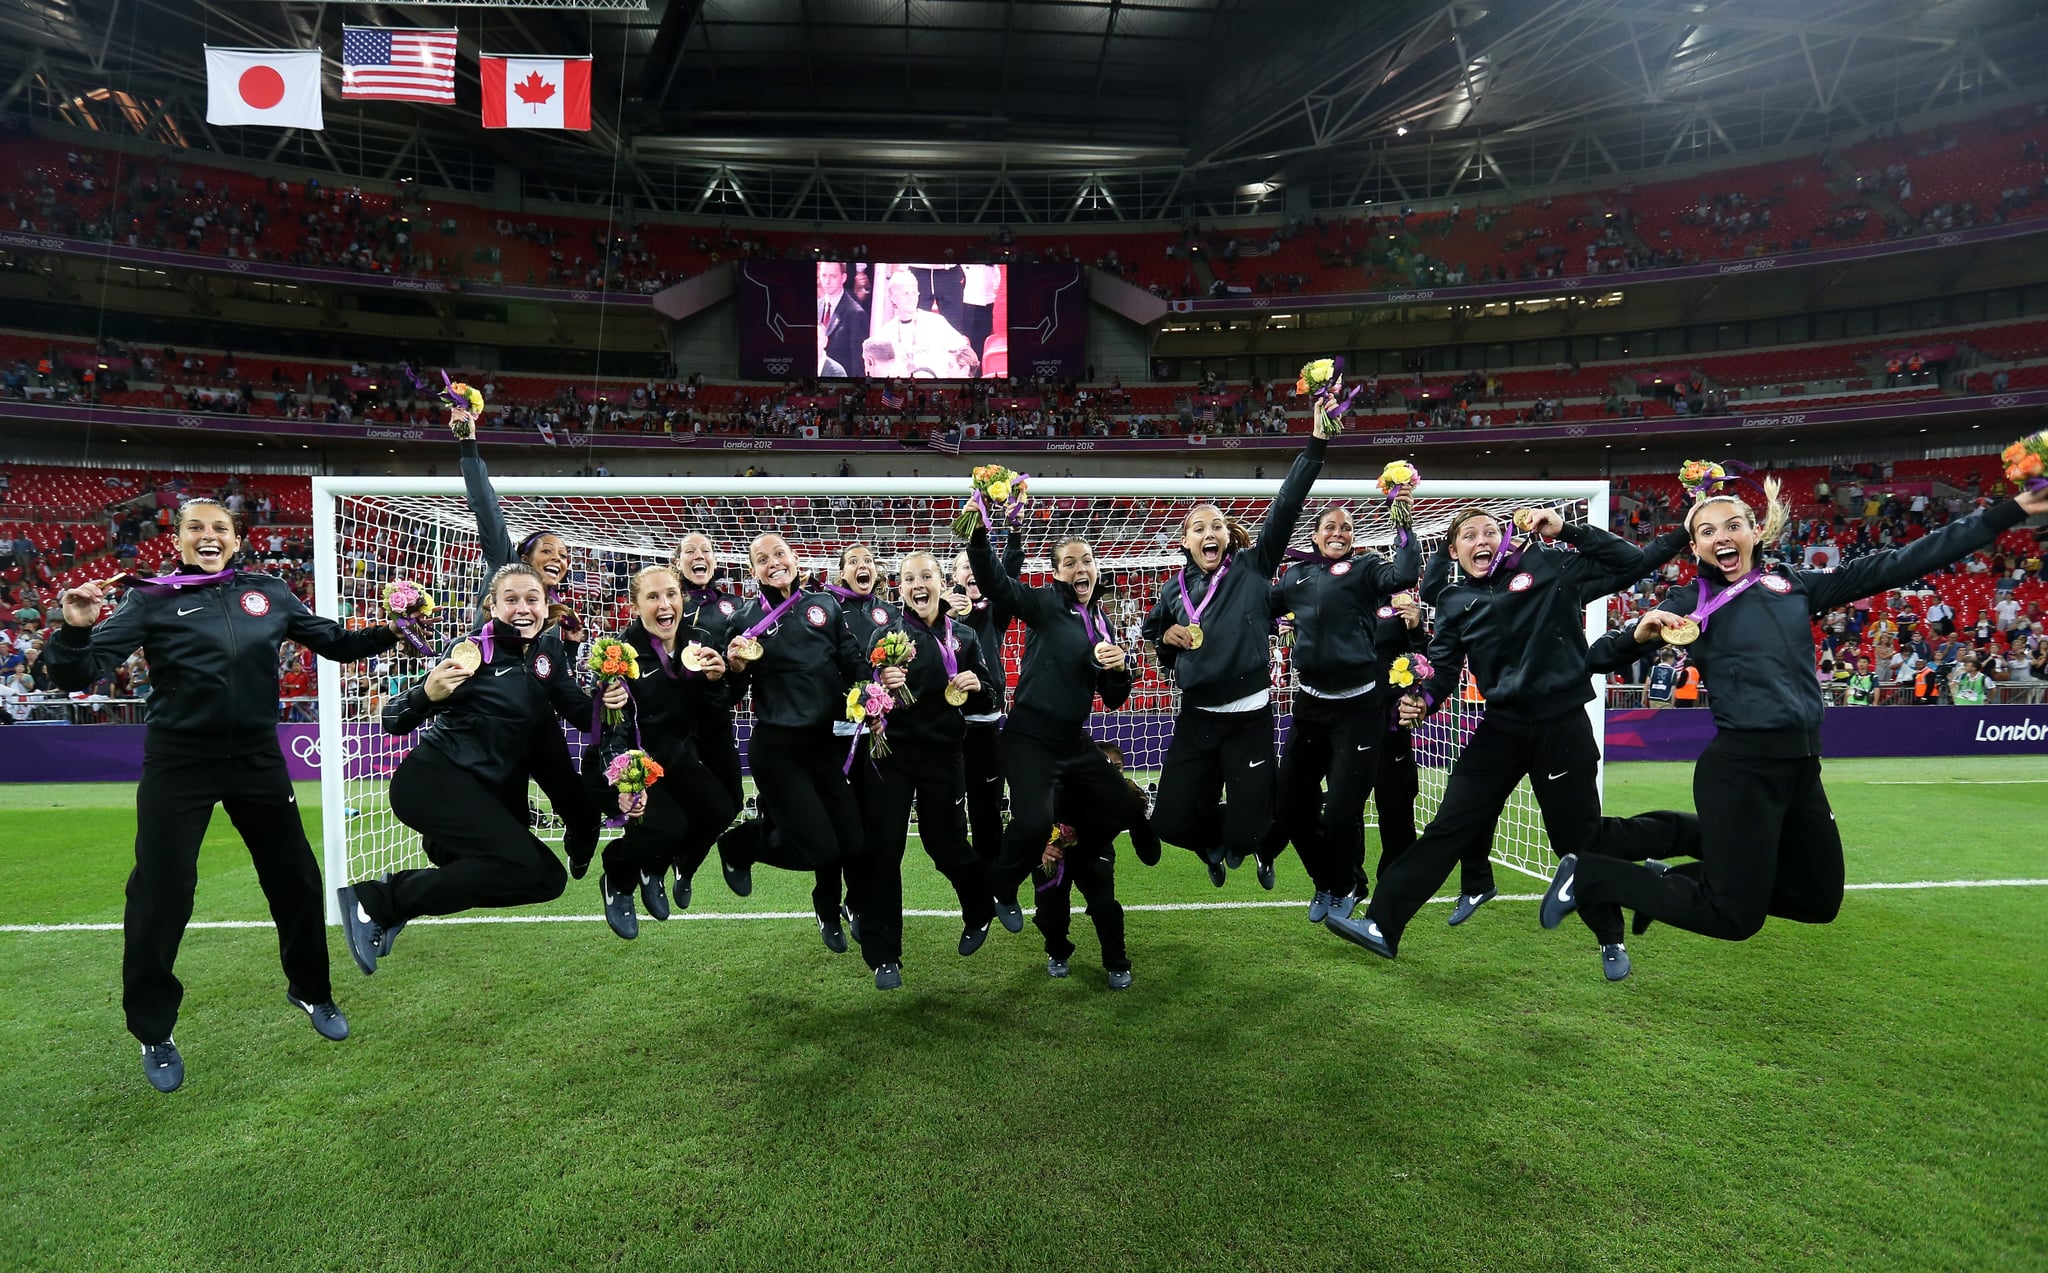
<point x="726" y="1094"/>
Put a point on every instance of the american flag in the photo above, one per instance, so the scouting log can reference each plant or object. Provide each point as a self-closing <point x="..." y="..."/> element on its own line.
<point x="947" y="441"/>
<point x="398" y="65"/>
<point x="891" y="399"/>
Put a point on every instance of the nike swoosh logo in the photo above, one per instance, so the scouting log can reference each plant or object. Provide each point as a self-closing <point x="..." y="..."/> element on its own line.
<point x="995" y="779"/>
<point x="193" y="610"/>
<point x="501" y="671"/>
<point x="1255" y="764"/>
<point x="1559" y="774"/>
<point x="1366" y="747"/>
<point x="1565" y="894"/>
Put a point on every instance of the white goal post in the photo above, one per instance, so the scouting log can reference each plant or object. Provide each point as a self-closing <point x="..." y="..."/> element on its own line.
<point x="370" y="531"/>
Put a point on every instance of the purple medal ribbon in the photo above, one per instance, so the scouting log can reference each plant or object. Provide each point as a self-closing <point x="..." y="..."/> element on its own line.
<point x="1722" y="598"/>
<point x="165" y="585"/>
<point x="774" y="616"/>
<point x="846" y="594"/>
<point x="943" y="636"/>
<point x="668" y="666"/>
<point x="484" y="643"/>
<point x="1195" y="611"/>
<point x="1088" y="626"/>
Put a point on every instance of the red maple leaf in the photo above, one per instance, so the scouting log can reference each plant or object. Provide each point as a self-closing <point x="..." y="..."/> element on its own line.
<point x="533" y="90"/>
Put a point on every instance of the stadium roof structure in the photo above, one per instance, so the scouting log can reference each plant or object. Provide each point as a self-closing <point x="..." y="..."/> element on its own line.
<point x="1026" y="111"/>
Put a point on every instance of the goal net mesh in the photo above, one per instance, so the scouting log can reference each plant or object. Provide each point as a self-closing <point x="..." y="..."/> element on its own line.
<point x="430" y="538"/>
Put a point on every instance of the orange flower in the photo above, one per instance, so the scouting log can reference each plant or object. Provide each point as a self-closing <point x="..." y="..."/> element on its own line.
<point x="2030" y="465"/>
<point x="1300" y="386"/>
<point x="653" y="768"/>
<point x="877" y="657"/>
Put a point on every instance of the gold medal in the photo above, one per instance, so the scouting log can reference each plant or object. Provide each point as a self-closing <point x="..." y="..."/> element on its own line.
<point x="955" y="696"/>
<point x="749" y="648"/>
<point x="467" y="655"/>
<point x="1525" y="519"/>
<point x="1684" y="632"/>
<point x="1403" y="599"/>
<point x="1194" y="636"/>
<point x="1105" y="653"/>
<point x="693" y="657"/>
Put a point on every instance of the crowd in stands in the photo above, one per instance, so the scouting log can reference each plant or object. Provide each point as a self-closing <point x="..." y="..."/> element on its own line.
<point x="1986" y="171"/>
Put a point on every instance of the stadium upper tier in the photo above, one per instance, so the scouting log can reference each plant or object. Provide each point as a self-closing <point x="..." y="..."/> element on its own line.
<point x="1982" y="172"/>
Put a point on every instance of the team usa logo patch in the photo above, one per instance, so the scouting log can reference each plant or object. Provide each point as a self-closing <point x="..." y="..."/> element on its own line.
<point x="880" y="616"/>
<point x="725" y="608"/>
<point x="1386" y="612"/>
<point x="815" y="616"/>
<point x="1341" y="568"/>
<point x="543" y="667"/>
<point x="256" y="603"/>
<point x="1521" y="582"/>
<point x="1776" y="583"/>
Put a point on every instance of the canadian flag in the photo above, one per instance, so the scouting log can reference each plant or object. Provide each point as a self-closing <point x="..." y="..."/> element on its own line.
<point x="536" y="92"/>
<point x="278" y="87"/>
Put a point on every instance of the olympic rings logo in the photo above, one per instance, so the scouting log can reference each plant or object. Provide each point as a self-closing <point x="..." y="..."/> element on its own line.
<point x="306" y="747"/>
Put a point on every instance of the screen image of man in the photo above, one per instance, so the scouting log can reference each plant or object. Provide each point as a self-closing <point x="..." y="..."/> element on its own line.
<point x="842" y="322"/>
<point x="905" y="341"/>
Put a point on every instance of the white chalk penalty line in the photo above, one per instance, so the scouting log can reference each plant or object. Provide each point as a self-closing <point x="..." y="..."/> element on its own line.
<point x="1957" y="782"/>
<point x="930" y="914"/>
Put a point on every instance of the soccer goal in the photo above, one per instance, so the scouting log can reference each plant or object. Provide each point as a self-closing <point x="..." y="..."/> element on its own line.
<point x="371" y="531"/>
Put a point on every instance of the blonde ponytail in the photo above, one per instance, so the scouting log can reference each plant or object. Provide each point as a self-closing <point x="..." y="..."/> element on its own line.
<point x="1776" y="515"/>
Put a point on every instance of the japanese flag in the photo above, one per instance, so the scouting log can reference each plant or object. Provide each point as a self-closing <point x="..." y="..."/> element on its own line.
<point x="277" y="87"/>
<point x="536" y="92"/>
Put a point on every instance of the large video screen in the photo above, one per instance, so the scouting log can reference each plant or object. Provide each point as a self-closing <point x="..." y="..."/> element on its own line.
<point x="907" y="320"/>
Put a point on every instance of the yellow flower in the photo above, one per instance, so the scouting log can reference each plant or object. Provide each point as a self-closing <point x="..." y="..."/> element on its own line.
<point x="999" y="491"/>
<point x="1319" y="371"/>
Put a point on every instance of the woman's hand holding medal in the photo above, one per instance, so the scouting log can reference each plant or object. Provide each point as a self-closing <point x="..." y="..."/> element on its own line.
<point x="1108" y="656"/>
<point x="1663" y="625"/>
<point x="1181" y="636"/>
<point x="82" y="604"/>
<point x="446" y="677"/>
<point x="1547" y="522"/>
<point x="703" y="660"/>
<point x="960" y="687"/>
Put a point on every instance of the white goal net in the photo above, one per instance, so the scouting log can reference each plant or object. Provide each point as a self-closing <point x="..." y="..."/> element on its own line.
<point x="370" y="532"/>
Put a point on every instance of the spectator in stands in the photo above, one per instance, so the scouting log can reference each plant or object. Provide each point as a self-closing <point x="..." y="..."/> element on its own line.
<point x="1861" y="689"/>
<point x="1967" y="688"/>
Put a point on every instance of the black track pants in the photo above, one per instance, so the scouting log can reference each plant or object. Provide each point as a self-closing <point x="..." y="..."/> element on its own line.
<point x="487" y="854"/>
<point x="930" y="777"/>
<point x="1037" y="765"/>
<point x="1214" y="753"/>
<point x="173" y="805"/>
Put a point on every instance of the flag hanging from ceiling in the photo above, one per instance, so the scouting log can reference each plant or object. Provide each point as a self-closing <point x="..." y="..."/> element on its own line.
<point x="535" y="92"/>
<point x="386" y="64"/>
<point x="277" y="87"/>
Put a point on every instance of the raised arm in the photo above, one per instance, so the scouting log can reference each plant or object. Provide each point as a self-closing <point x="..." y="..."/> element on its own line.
<point x="1029" y="604"/>
<point x="1285" y="512"/>
<point x="329" y="639"/>
<point x="1655" y="553"/>
<point x="1882" y="571"/>
<point x="1601" y="557"/>
<point x="492" y="536"/>
<point x="80" y="656"/>
<point x="1399" y="573"/>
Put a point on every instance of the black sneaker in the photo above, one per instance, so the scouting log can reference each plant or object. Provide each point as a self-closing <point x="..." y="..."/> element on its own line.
<point x="652" y="896"/>
<point x="679" y="895"/>
<point x="162" y="1065"/>
<point x="1216" y="874"/>
<point x="618" y="908"/>
<point x="1468" y="903"/>
<point x="733" y="844"/>
<point x="1012" y="916"/>
<point x="833" y="935"/>
<point x="1559" y="900"/>
<point x="1361" y="932"/>
<point x="1055" y="968"/>
<point x="852" y="921"/>
<point x="327" y="1018"/>
<point x="365" y="936"/>
<point x="889" y="977"/>
<point x="972" y="938"/>
<point x="1232" y="858"/>
<point x="1265" y="874"/>
<point x="1120" y="979"/>
<point x="580" y="847"/>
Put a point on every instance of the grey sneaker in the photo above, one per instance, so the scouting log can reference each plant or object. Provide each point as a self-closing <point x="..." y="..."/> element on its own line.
<point x="162" y="1065"/>
<point x="1319" y="907"/>
<point x="1361" y="932"/>
<point x="365" y="936"/>
<point x="327" y="1018"/>
<point x="1468" y="903"/>
<point x="618" y="908"/>
<point x="653" y="896"/>
<point x="1120" y="979"/>
<point x="889" y="977"/>
<point x="1056" y="968"/>
<point x="1614" y="960"/>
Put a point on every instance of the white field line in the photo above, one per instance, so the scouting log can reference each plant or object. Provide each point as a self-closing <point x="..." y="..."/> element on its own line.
<point x="954" y="915"/>
<point x="1957" y="782"/>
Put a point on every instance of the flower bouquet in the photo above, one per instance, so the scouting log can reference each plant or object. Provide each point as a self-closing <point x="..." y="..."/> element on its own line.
<point x="2026" y="462"/>
<point x="632" y="773"/>
<point x="412" y="612"/>
<point x="1052" y="864"/>
<point x="1408" y="669"/>
<point x="1699" y="477"/>
<point x="1283" y="630"/>
<point x="1323" y="379"/>
<point x="895" y="649"/>
<point x="1398" y="482"/>
<point x="613" y="660"/>
<point x="868" y="703"/>
<point x="994" y="486"/>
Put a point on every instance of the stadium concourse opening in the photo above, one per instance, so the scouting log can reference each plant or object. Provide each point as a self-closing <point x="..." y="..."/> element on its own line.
<point x="672" y="531"/>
